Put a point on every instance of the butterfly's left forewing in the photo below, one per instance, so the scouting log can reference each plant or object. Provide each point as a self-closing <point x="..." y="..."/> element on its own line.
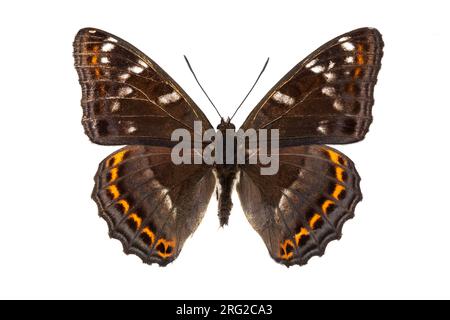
<point x="127" y="97"/>
<point x="304" y="206"/>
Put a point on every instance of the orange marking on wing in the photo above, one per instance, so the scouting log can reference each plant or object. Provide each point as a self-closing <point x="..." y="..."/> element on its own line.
<point x="150" y="234"/>
<point x="325" y="205"/>
<point x="114" y="174"/>
<point x="125" y="205"/>
<point x="316" y="217"/>
<point x="94" y="60"/>
<point x="357" y="73"/>
<point x="116" y="159"/>
<point x="298" y="236"/>
<point x="166" y="244"/>
<point x="359" y="54"/>
<point x="359" y="60"/>
<point x="335" y="157"/>
<point x="286" y="255"/>
<point x="114" y="191"/>
<point x="119" y="157"/>
<point x="136" y="219"/>
<point x="339" y="174"/>
<point x="337" y="191"/>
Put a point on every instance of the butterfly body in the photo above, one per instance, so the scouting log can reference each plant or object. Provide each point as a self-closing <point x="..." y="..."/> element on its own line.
<point x="152" y="205"/>
<point x="226" y="173"/>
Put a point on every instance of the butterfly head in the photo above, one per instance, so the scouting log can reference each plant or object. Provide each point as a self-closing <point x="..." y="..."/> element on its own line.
<point x="225" y="124"/>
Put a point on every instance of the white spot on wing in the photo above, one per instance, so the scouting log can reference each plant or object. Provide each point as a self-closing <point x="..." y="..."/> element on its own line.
<point x="337" y="104"/>
<point x="124" y="91"/>
<point x="124" y="76"/>
<point x="349" y="59"/>
<point x="92" y="31"/>
<point x="107" y="47"/>
<point x="348" y="46"/>
<point x="111" y="39"/>
<point x="343" y="39"/>
<point x="311" y="63"/>
<point x="131" y="129"/>
<point x="329" y="76"/>
<point x="329" y="91"/>
<point x="104" y="60"/>
<point x="143" y="64"/>
<point x="322" y="129"/>
<point x="169" y="98"/>
<point x="331" y="65"/>
<point x="115" y="106"/>
<point x="168" y="203"/>
<point x="136" y="69"/>
<point x="318" y="69"/>
<point x="283" y="98"/>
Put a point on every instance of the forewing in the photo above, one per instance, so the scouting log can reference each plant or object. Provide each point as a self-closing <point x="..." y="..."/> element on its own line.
<point x="126" y="97"/>
<point x="298" y="211"/>
<point x="327" y="97"/>
<point x="150" y="204"/>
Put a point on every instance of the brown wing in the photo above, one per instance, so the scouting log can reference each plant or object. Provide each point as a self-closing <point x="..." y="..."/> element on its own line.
<point x="328" y="97"/>
<point x="303" y="207"/>
<point x="150" y="204"/>
<point x="127" y="97"/>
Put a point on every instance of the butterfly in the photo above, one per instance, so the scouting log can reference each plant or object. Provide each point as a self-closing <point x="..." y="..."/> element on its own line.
<point x="153" y="205"/>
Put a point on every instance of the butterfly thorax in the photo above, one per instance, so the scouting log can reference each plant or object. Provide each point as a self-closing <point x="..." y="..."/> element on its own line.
<point x="226" y="175"/>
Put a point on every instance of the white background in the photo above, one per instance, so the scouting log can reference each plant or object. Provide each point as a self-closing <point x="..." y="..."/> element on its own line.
<point x="52" y="243"/>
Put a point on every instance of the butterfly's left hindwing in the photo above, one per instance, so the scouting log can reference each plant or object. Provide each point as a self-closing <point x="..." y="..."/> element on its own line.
<point x="303" y="207"/>
<point x="150" y="204"/>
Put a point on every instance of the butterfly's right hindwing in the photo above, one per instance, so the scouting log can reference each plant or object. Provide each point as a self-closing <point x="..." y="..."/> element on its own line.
<point x="303" y="207"/>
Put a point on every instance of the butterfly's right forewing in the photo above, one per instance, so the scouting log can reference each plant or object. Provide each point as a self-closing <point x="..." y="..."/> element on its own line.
<point x="327" y="98"/>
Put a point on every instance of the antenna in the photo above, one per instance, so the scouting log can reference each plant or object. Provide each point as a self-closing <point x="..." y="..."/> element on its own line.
<point x="264" y="68"/>
<point x="190" y="68"/>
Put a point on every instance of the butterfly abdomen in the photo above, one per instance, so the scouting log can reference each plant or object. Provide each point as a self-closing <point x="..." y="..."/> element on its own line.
<point x="226" y="175"/>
